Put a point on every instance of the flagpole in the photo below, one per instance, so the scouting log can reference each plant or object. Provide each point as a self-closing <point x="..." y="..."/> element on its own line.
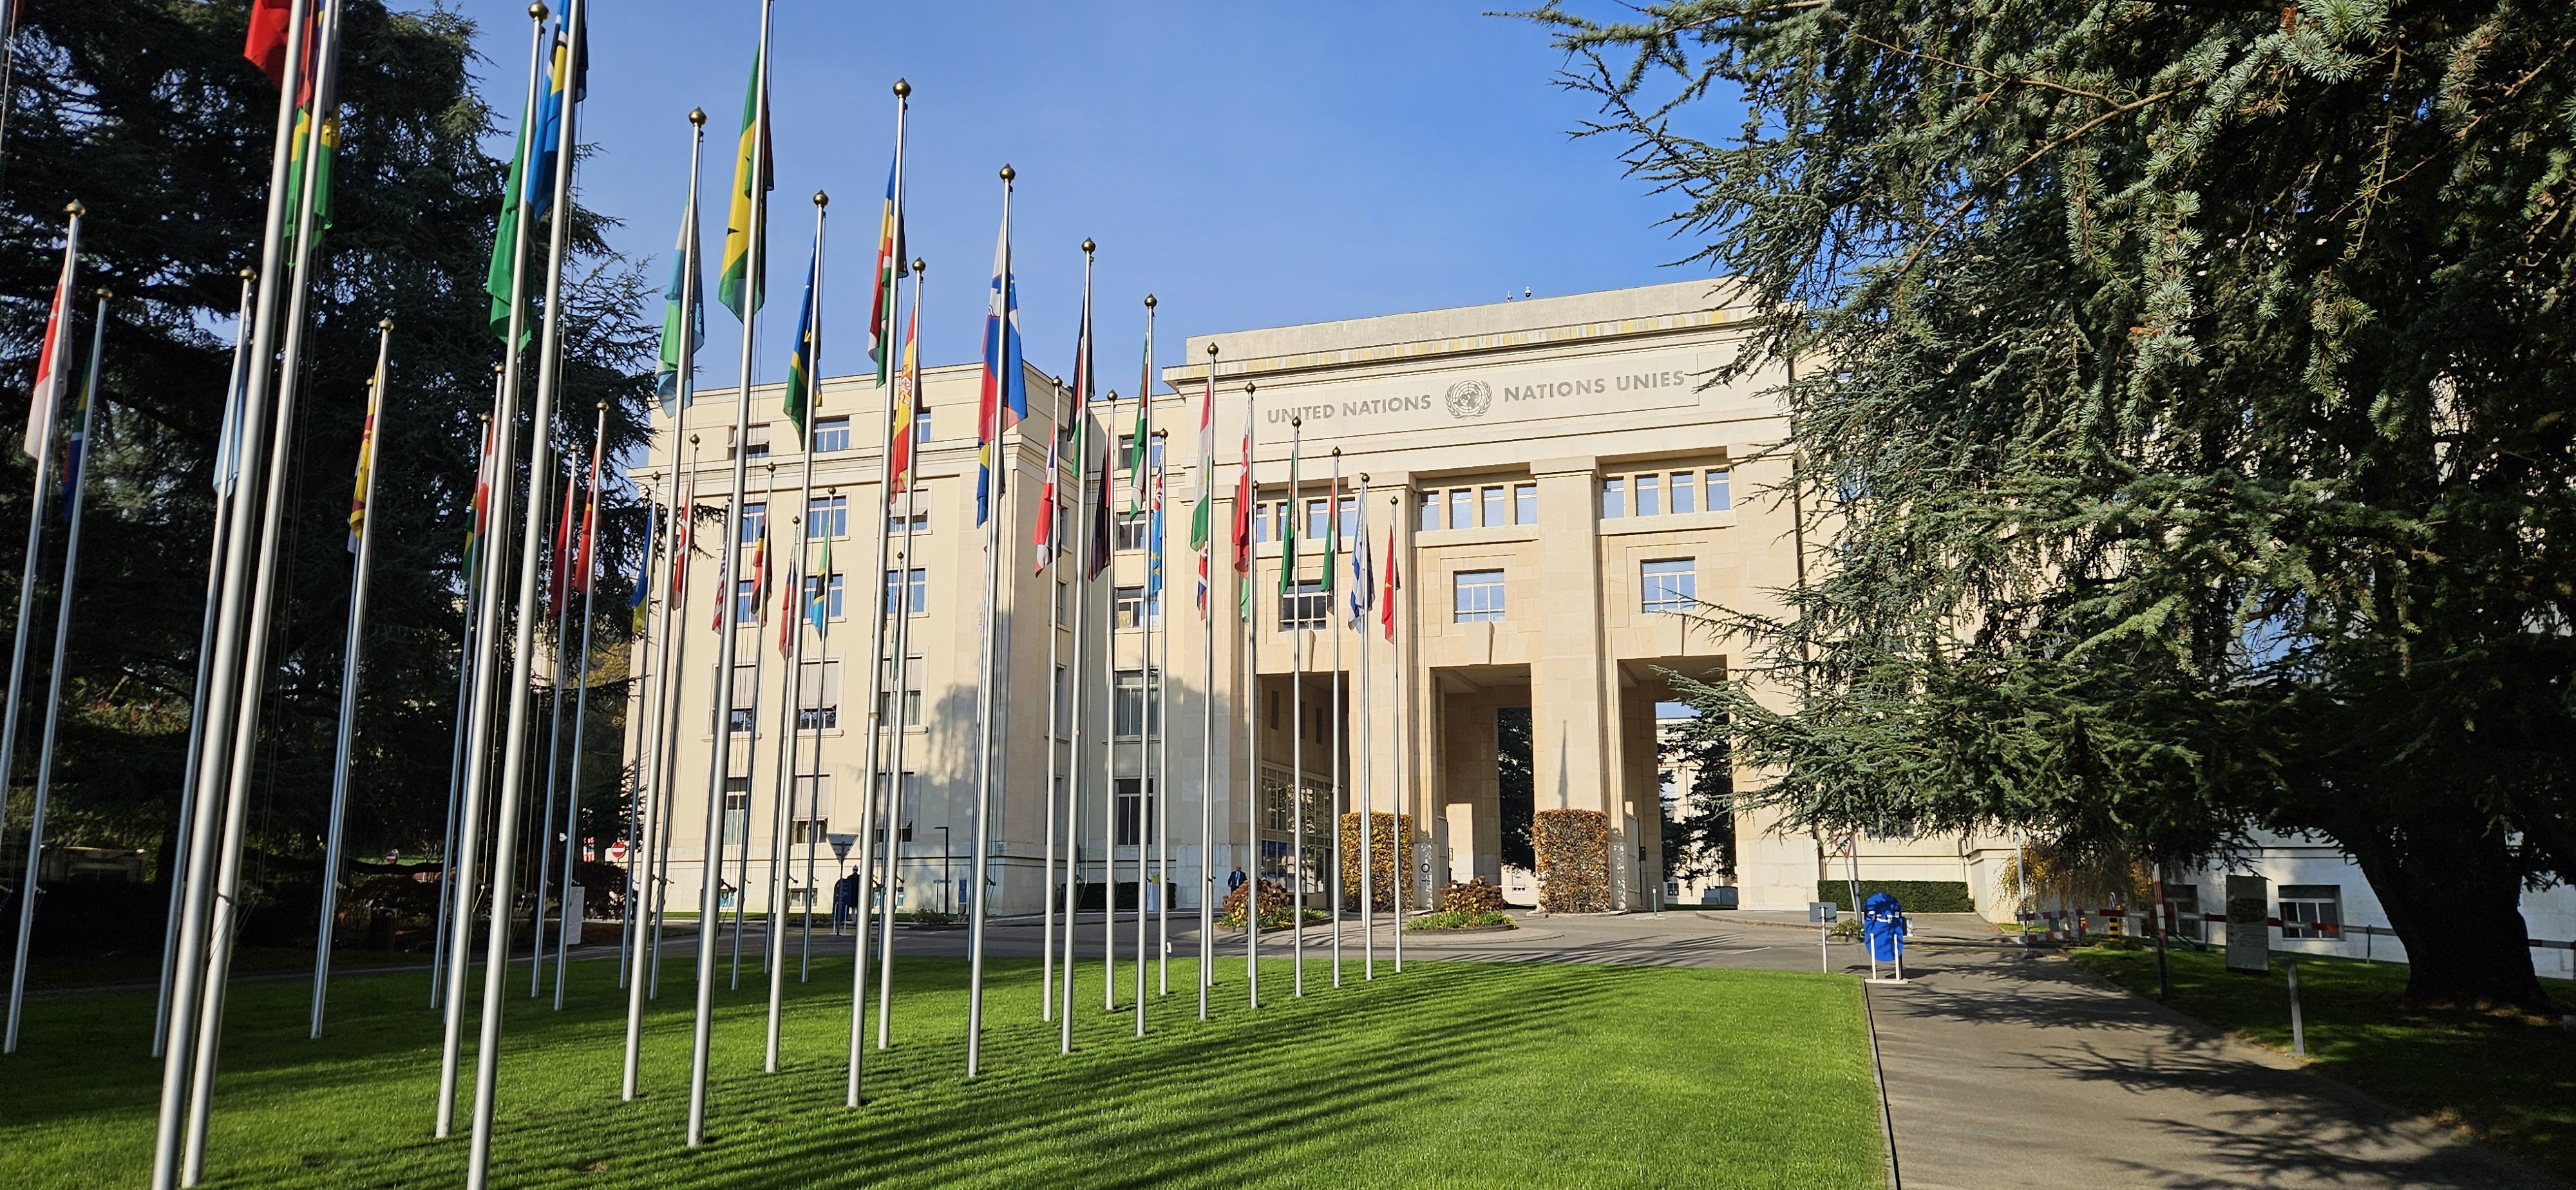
<point x="565" y="923"/>
<point x="988" y="707"/>
<point x="675" y="641"/>
<point x="1081" y="418"/>
<point x="1163" y="743"/>
<point x="902" y="654"/>
<point x="1109" y="769"/>
<point x="751" y="714"/>
<point x="466" y="694"/>
<point x="1331" y="621"/>
<point x="349" y="654"/>
<point x="755" y="270"/>
<point x="558" y="590"/>
<point x="1252" y="722"/>
<point x="252" y="676"/>
<point x="643" y="702"/>
<point x="215" y="706"/>
<point x="1053" y="573"/>
<point x="1207" y="690"/>
<point x="1406" y="848"/>
<point x="792" y="698"/>
<point x="1363" y="598"/>
<point x="478" y="747"/>
<point x="1297" y="738"/>
<point x="514" y="755"/>
<point x="1148" y="699"/>
<point x="28" y="889"/>
<point x="176" y="876"/>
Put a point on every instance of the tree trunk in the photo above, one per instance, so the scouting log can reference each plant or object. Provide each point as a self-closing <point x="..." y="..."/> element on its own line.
<point x="2449" y="885"/>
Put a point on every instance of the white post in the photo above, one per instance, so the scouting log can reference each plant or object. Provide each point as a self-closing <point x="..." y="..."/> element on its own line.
<point x="571" y="921"/>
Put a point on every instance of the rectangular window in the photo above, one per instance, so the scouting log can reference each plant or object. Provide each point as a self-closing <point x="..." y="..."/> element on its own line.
<point x="1428" y="506"/>
<point x="921" y="426"/>
<point x="1276" y="813"/>
<point x="756" y="442"/>
<point x="1684" y="489"/>
<point x="827" y="516"/>
<point x="1305" y="605"/>
<point x="1494" y="513"/>
<point x="755" y="521"/>
<point x="1126" y="460"/>
<point x="1650" y="495"/>
<point x="2311" y="911"/>
<point x="916" y="505"/>
<point x="806" y="832"/>
<point x="737" y="809"/>
<point x="902" y="813"/>
<point x="745" y="599"/>
<point x="1669" y="586"/>
<point x="1129" y="608"/>
<point x="1260" y="522"/>
<point x="1614" y="499"/>
<point x="831" y="434"/>
<point x="829" y="592"/>
<point x="1063" y="603"/>
<point x="1479" y="595"/>
<point x="912" y="672"/>
<point x="1462" y="508"/>
<point x="746" y="694"/>
<point x="1719" y="499"/>
<point x="1525" y="504"/>
<point x="1317" y="520"/>
<point x="1131" y="529"/>
<point x="1349" y="512"/>
<point x="915" y="600"/>
<point x="818" y="695"/>
<point x="1274" y="710"/>
<point x="1132" y="708"/>
<point x="1063" y="704"/>
<point x="1135" y="812"/>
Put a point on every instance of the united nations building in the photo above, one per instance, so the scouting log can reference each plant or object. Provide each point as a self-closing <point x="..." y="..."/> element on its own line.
<point x="1554" y="481"/>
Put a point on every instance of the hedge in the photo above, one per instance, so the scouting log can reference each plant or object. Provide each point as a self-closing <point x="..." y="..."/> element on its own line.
<point x="1390" y="837"/>
<point x="1573" y="860"/>
<point x="1914" y="896"/>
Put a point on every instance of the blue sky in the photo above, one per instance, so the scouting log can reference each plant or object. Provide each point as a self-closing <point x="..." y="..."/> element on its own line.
<point x="1249" y="165"/>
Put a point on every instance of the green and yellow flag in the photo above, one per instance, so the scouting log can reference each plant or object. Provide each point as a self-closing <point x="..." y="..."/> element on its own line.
<point x="505" y="240"/>
<point x="741" y="272"/>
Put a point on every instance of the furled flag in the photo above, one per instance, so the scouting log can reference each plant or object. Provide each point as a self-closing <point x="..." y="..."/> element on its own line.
<point x="684" y="310"/>
<point x="498" y="281"/>
<point x="366" y="460"/>
<point x="1243" y="514"/>
<point x="52" y="364"/>
<point x="1045" y="538"/>
<point x="685" y="529"/>
<point x="1394" y="583"/>
<point x="301" y="155"/>
<point x="79" y="438"/>
<point x="724" y="592"/>
<point x="1288" y="525"/>
<point x="788" y="592"/>
<point x="638" y="603"/>
<point x="482" y="502"/>
<point x="1099" y="560"/>
<point x="1363" y="590"/>
<point x="1139" y="445"/>
<point x="1006" y="390"/>
<point x="1203" y="515"/>
<point x="889" y="266"/>
<point x="567" y="81"/>
<point x="582" y="558"/>
<point x="799" y="401"/>
<point x="751" y="160"/>
<point x="266" y="47"/>
<point x="907" y="385"/>
<point x="1332" y="535"/>
<point x="818" y="587"/>
<point x="1154" y="544"/>
<point x="559" y="583"/>
<point x="760" y="576"/>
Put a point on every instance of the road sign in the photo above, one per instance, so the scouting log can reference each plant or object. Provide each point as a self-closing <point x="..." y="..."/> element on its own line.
<point x="841" y="845"/>
<point x="1822" y="913"/>
<point x="617" y="853"/>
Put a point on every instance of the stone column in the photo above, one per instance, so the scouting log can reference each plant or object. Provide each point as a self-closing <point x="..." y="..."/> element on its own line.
<point x="1571" y="695"/>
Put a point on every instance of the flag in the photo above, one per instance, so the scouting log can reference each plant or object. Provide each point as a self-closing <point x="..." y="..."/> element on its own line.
<point x="1006" y="394"/>
<point x="818" y="604"/>
<point x="560" y="582"/>
<point x="79" y="439"/>
<point x="1394" y="583"/>
<point x="1045" y="538"/>
<point x="751" y="153"/>
<point x="1363" y="590"/>
<point x="46" y="404"/>
<point x="505" y="237"/>
<point x="899" y="434"/>
<point x="1202" y="517"/>
<point x="1099" y="560"/>
<point x="798" y="404"/>
<point x="1154" y="544"/>
<point x="1243" y="513"/>
<point x="366" y="460"/>
<point x="637" y="603"/>
<point x="482" y="502"/>
<point x="266" y="46"/>
<point x="889" y="266"/>
<point x="724" y="588"/>
<point x="1138" y="448"/>
<point x="301" y="156"/>
<point x="684" y="310"/>
<point x="760" y="576"/>
<point x="566" y="82"/>
<point x="792" y="589"/>
<point x="1288" y="526"/>
<point x="581" y="558"/>
<point x="685" y="530"/>
<point x="1332" y="533"/>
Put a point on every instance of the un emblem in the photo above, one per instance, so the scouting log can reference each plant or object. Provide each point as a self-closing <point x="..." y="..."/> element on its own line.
<point x="1469" y="398"/>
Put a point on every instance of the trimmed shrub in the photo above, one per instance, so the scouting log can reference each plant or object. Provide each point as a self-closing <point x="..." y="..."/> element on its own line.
<point x="1915" y="896"/>
<point x="1389" y="834"/>
<point x="1274" y="908"/>
<point x="1474" y="896"/>
<point x="1573" y="860"/>
<point x="1432" y="922"/>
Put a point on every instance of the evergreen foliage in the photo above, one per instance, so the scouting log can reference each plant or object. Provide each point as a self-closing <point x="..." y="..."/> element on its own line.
<point x="2179" y="395"/>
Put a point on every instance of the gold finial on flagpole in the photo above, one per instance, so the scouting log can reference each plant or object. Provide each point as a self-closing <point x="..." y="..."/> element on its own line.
<point x="902" y="89"/>
<point x="74" y="208"/>
<point x="821" y="199"/>
<point x="1009" y="174"/>
<point x="698" y="116"/>
<point x="1150" y="303"/>
<point x="917" y="266"/>
<point x="1088" y="247"/>
<point x="384" y="324"/>
<point x="537" y="12"/>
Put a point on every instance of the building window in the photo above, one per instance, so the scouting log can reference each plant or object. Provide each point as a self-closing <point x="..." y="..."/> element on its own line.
<point x="737" y="809"/>
<point x="1306" y="605"/>
<point x="1462" y="508"/>
<point x="755" y="521"/>
<point x="1650" y="495"/>
<point x="921" y="426"/>
<point x="1127" y="455"/>
<point x="1479" y="595"/>
<point x="818" y="695"/>
<point x="828" y="588"/>
<point x="1274" y="710"/>
<point x="1131" y="530"/>
<point x="830" y="434"/>
<point x="746" y="695"/>
<point x="902" y="813"/>
<point x="2311" y="911"/>
<point x="916" y="503"/>
<point x="1063" y="603"/>
<point x="827" y="516"/>
<point x="746" y="601"/>
<point x="1133" y="709"/>
<point x="1427" y="506"/>
<point x="1719" y="498"/>
<point x="755" y="443"/>
<point x="1525" y="504"/>
<point x="1276" y="813"/>
<point x="912" y="669"/>
<point x="1349" y="511"/>
<point x="1318" y="520"/>
<point x="1669" y="586"/>
<point x="1494" y="514"/>
<point x="916" y="599"/>
<point x="806" y="832"/>
<point x="1063" y="704"/>
<point x="1614" y="499"/>
<point x="1128" y="608"/>
<point x="1135" y="812"/>
<point x="1685" y="489"/>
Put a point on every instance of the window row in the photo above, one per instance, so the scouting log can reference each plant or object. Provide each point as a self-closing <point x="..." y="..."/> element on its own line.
<point x="1657" y="493"/>
<point x="1663" y="585"/>
<point x="1489" y="506"/>
<point x="831" y="434"/>
<point x="829" y="516"/>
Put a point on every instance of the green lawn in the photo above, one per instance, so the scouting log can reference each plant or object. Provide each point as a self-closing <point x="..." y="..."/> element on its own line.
<point x="2507" y="1078"/>
<point x="1454" y="1074"/>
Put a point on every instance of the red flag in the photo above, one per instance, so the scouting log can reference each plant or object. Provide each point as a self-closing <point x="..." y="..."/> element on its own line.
<point x="581" y="558"/>
<point x="1243" y="501"/>
<point x="266" y="47"/>
<point x="560" y="581"/>
<point x="684" y="537"/>
<point x="47" y="401"/>
<point x="1045" y="536"/>
<point x="1386" y="604"/>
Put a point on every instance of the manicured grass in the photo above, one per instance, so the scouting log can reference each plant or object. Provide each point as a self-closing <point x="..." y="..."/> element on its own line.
<point x="2507" y="1078"/>
<point x="1453" y="1074"/>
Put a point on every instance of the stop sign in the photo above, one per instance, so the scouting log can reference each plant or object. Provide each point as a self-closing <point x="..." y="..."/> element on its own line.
<point x="617" y="853"/>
